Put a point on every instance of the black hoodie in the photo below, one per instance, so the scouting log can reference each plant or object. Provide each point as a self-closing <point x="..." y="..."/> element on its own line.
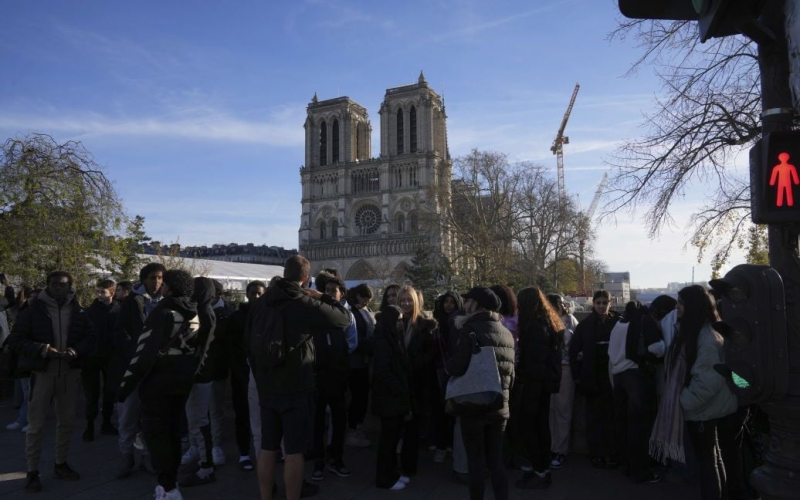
<point x="204" y="293"/>
<point x="302" y="318"/>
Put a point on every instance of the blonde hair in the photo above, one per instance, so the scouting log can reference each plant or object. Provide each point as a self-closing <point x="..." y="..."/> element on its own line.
<point x="415" y="308"/>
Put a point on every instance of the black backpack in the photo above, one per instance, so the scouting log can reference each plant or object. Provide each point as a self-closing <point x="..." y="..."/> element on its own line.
<point x="266" y="338"/>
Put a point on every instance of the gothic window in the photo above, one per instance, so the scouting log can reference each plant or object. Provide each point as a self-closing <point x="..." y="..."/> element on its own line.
<point x="323" y="144"/>
<point x="368" y="219"/>
<point x="398" y="178"/>
<point x="366" y="181"/>
<point x="334" y="228"/>
<point x="413" y="223"/>
<point x="413" y="120"/>
<point x="412" y="176"/>
<point x="400" y="131"/>
<point x="401" y="223"/>
<point x="335" y="141"/>
<point x="322" y="228"/>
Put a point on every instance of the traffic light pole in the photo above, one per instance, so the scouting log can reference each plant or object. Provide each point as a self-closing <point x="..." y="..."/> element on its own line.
<point x="779" y="477"/>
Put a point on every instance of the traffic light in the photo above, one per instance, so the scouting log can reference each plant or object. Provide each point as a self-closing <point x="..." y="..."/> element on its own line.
<point x="751" y="302"/>
<point x="775" y="178"/>
<point x="716" y="18"/>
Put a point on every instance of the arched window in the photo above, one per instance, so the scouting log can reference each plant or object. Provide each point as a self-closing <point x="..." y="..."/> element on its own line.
<point x="413" y="120"/>
<point x="401" y="223"/>
<point x="334" y="229"/>
<point x="335" y="139"/>
<point x="413" y="223"/>
<point x="400" y="131"/>
<point x="322" y="229"/>
<point x="323" y="144"/>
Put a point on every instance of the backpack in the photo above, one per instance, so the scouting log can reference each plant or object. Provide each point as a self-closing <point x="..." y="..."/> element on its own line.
<point x="266" y="338"/>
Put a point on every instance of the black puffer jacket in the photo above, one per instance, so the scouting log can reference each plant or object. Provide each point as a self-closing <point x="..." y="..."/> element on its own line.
<point x="104" y="318"/>
<point x="591" y="338"/>
<point x="490" y="332"/>
<point x="539" y="366"/>
<point x="391" y="393"/>
<point x="420" y="351"/>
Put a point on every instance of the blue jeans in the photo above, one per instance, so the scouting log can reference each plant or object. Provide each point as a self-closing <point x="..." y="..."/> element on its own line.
<point x="24" y="386"/>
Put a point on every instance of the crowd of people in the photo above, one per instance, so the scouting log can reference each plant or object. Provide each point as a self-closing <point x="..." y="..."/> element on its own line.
<point x="305" y="366"/>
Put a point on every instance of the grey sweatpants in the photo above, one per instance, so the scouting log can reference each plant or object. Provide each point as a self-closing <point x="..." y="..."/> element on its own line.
<point x="128" y="414"/>
<point x="197" y="407"/>
<point x="46" y="389"/>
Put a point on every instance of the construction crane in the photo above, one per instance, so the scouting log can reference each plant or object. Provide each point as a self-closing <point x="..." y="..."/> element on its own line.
<point x="584" y="229"/>
<point x="558" y="146"/>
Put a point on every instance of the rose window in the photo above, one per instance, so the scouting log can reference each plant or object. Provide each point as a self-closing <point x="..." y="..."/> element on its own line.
<point x="368" y="219"/>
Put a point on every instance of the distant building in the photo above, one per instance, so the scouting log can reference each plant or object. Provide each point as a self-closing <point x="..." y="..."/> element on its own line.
<point x="619" y="286"/>
<point x="232" y="252"/>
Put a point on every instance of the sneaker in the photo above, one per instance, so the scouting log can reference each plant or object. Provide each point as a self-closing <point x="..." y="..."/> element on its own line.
<point x="138" y="443"/>
<point x="357" y="439"/>
<point x="14" y="426"/>
<point x="32" y="482"/>
<point x="399" y="485"/>
<point x="308" y="490"/>
<point x="88" y="434"/>
<point x="405" y="479"/>
<point x="526" y="467"/>
<point x="108" y="429"/>
<point x="200" y="478"/>
<point x="126" y="467"/>
<point x="438" y="456"/>
<point x="535" y="481"/>
<point x="168" y="495"/>
<point x="146" y="465"/>
<point x="218" y="455"/>
<point x="338" y="468"/>
<point x="65" y="472"/>
<point x="24" y="429"/>
<point x="319" y="472"/>
<point x="245" y="464"/>
<point x="557" y="462"/>
<point x="191" y="455"/>
<point x="650" y="478"/>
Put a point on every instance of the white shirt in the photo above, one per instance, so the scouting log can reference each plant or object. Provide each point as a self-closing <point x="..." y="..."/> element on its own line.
<point x="617" y="362"/>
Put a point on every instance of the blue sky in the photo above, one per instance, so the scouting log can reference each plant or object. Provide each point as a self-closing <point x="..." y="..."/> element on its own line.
<point x="196" y="109"/>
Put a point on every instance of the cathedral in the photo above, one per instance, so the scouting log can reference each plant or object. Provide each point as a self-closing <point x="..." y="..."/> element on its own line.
<point x="362" y="214"/>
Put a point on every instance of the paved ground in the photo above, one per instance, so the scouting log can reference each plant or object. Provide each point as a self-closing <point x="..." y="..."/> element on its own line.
<point x="97" y="463"/>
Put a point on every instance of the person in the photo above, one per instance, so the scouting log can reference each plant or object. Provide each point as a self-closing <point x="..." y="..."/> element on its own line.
<point x="707" y="405"/>
<point x="483" y="433"/>
<point x="391" y="395"/>
<point x="124" y="289"/>
<point x="331" y="366"/>
<point x="508" y="311"/>
<point x="663" y="309"/>
<point x="134" y="311"/>
<point x="632" y="373"/>
<point x="445" y="307"/>
<point x="22" y="380"/>
<point x="538" y="377"/>
<point x="51" y="336"/>
<point x="390" y="296"/>
<point x="588" y="359"/>
<point x="561" y="404"/>
<point x="419" y="346"/>
<point x="221" y="369"/>
<point x="240" y="373"/>
<point x="8" y="292"/>
<point x="170" y="350"/>
<point x="358" y="299"/>
<point x="103" y="312"/>
<point x="286" y="390"/>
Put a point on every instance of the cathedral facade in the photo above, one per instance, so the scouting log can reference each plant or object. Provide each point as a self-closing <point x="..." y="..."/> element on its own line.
<point x="362" y="214"/>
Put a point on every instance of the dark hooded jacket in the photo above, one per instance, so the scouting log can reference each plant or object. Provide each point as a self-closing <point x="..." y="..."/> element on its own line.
<point x="445" y="339"/>
<point x="302" y="317"/>
<point x="539" y="366"/>
<point x="391" y="388"/>
<point x="234" y="331"/>
<point x="133" y="313"/>
<point x="591" y="338"/>
<point x="104" y="318"/>
<point x="204" y="298"/>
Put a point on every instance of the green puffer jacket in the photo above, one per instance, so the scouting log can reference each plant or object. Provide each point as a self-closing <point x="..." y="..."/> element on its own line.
<point x="707" y="396"/>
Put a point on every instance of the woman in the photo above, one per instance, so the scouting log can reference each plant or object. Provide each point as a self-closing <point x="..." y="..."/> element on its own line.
<point x="358" y="298"/>
<point x="390" y="296"/>
<point x="22" y="381"/>
<point x="561" y="404"/>
<point x="483" y="432"/>
<point x="541" y="335"/>
<point x="419" y="345"/>
<point x="444" y="308"/>
<point x="708" y="406"/>
<point x="508" y="312"/>
<point x="391" y="395"/>
<point x="588" y="359"/>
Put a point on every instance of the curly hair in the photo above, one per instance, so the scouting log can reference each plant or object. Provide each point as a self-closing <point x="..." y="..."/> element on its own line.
<point x="534" y="305"/>
<point x="180" y="283"/>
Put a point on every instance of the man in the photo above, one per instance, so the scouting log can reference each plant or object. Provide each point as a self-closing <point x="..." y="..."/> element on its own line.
<point x="51" y="336"/>
<point x="103" y="312"/>
<point x="286" y="386"/>
<point x="123" y="290"/>
<point x="134" y="311"/>
<point x="221" y="351"/>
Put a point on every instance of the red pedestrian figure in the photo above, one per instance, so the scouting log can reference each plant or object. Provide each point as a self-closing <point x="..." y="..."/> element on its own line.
<point x="786" y="176"/>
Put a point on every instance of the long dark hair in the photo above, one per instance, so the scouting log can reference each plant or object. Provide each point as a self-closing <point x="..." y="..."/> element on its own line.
<point x="384" y="303"/>
<point x="699" y="309"/>
<point x="534" y="307"/>
<point x="508" y="300"/>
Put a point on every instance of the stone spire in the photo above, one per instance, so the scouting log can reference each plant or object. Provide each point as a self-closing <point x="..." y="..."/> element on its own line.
<point x="422" y="80"/>
<point x="314" y="99"/>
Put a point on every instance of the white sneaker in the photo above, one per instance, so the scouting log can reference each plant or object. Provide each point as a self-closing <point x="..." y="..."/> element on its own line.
<point x="138" y="443"/>
<point x="168" y="495"/>
<point x="191" y="455"/>
<point x="399" y="485"/>
<point x="357" y="439"/>
<point x="218" y="455"/>
<point x="14" y="426"/>
<point x="438" y="456"/>
<point x="404" y="479"/>
<point x="24" y="429"/>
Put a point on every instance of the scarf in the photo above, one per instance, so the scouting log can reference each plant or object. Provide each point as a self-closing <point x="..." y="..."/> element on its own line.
<point x="666" y="440"/>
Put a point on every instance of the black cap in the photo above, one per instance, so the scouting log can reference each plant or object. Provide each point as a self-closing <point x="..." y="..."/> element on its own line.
<point x="485" y="298"/>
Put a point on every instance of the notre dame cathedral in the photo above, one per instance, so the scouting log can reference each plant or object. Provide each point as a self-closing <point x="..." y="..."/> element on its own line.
<point x="362" y="215"/>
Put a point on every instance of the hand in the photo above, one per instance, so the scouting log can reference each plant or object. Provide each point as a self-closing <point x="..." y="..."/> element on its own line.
<point x="314" y="294"/>
<point x="52" y="352"/>
<point x="70" y="354"/>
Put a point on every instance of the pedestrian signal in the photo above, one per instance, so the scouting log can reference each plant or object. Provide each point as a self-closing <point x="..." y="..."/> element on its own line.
<point x="774" y="179"/>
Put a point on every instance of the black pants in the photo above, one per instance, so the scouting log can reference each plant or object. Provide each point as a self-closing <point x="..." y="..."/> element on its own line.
<point x="358" y="383"/>
<point x="392" y="429"/>
<point x="634" y="398"/>
<point x="600" y="420"/>
<point x="338" y="422"/>
<point x="91" y="377"/>
<point x="483" y="441"/>
<point x="717" y="446"/>
<point x="240" y="377"/>
<point x="534" y="429"/>
<point x="441" y="423"/>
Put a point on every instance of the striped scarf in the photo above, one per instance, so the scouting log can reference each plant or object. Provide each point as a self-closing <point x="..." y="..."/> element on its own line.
<point x="666" y="440"/>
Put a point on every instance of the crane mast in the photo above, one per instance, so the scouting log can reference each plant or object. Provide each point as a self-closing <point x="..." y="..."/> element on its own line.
<point x="558" y="145"/>
<point x="601" y="186"/>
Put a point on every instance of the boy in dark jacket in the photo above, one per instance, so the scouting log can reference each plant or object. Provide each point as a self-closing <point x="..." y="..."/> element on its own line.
<point x="51" y="336"/>
<point x="103" y="312"/>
